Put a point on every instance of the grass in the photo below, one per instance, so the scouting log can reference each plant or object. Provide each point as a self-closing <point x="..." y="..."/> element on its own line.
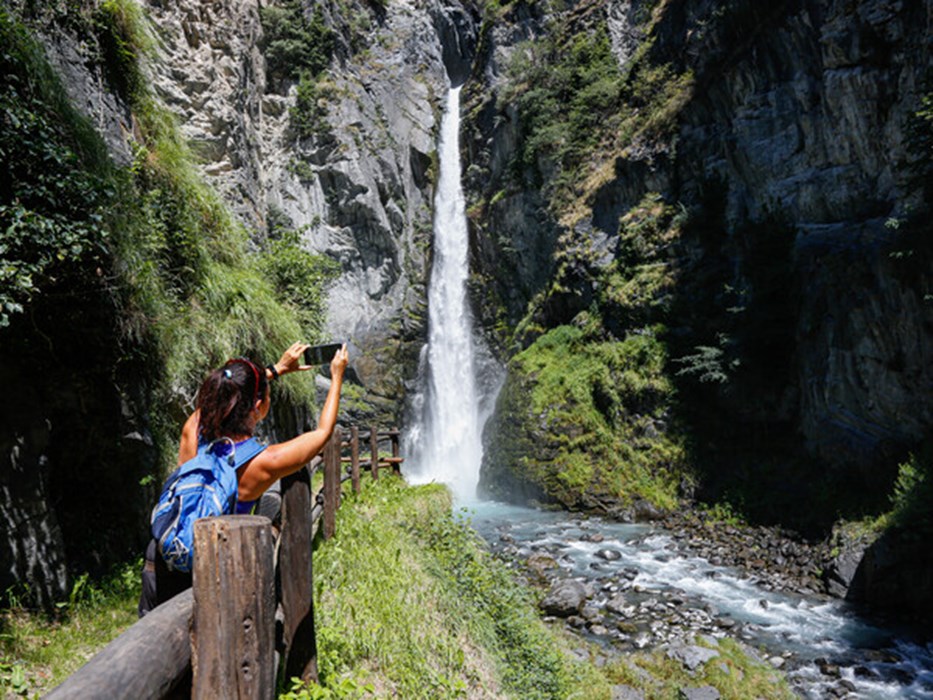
<point x="37" y="652"/>
<point x="411" y="604"/>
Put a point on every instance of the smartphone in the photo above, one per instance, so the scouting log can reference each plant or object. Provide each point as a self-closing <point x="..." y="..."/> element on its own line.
<point x="321" y="354"/>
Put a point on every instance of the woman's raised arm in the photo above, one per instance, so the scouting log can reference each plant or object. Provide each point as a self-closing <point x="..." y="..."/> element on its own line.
<point x="288" y="457"/>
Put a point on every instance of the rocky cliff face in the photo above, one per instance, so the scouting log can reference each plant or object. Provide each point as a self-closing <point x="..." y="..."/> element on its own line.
<point x="807" y="120"/>
<point x="797" y="115"/>
<point x="359" y="185"/>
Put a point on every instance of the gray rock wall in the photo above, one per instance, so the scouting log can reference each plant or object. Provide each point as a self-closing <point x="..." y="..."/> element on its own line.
<point x="807" y="122"/>
<point x="799" y="113"/>
<point x="361" y="186"/>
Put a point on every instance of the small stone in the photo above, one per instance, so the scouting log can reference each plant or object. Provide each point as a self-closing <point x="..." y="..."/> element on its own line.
<point x="565" y="598"/>
<point x="777" y="661"/>
<point x="626" y="692"/>
<point x="609" y="554"/>
<point x="617" y="604"/>
<point x="692" y="657"/>
<point x="707" y="692"/>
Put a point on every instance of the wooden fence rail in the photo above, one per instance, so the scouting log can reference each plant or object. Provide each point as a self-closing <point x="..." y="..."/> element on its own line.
<point x="220" y="639"/>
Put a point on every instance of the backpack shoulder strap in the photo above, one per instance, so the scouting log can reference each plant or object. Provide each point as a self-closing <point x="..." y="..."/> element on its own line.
<point x="246" y="451"/>
<point x="228" y="454"/>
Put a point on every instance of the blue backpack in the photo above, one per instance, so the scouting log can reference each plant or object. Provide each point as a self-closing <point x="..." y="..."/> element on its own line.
<point x="204" y="486"/>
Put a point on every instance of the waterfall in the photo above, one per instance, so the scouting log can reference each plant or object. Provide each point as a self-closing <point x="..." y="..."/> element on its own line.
<point x="445" y="440"/>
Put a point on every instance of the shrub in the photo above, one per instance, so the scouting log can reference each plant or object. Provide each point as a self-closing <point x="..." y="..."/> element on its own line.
<point x="293" y="43"/>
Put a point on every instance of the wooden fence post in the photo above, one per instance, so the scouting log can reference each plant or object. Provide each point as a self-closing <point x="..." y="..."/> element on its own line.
<point x="374" y="450"/>
<point x="331" y="483"/>
<point x="355" y="458"/>
<point x="295" y="577"/>
<point x="233" y="635"/>
<point x="396" y="462"/>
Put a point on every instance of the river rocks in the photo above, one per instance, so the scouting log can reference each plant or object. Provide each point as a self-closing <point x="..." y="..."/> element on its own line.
<point x="848" y="549"/>
<point x="609" y="554"/>
<point x="619" y="605"/>
<point x="691" y="656"/>
<point x="540" y="564"/>
<point x="780" y="561"/>
<point x="565" y="598"/>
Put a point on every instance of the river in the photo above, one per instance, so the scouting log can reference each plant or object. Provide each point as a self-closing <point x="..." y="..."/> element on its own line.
<point x="825" y="647"/>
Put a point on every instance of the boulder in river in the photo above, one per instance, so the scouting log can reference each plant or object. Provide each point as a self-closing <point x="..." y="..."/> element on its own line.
<point x="565" y="598"/>
<point x="609" y="554"/>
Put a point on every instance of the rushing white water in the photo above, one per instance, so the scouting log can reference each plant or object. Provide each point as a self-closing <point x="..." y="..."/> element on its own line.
<point x="446" y="442"/>
<point x="874" y="663"/>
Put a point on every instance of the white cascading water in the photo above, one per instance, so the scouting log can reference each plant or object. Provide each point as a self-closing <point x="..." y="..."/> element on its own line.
<point x="446" y="444"/>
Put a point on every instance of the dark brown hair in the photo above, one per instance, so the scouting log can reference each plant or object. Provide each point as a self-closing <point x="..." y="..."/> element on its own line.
<point x="227" y="396"/>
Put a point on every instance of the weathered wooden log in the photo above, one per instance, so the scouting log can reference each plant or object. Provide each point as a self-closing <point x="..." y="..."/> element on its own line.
<point x="331" y="484"/>
<point x="374" y="451"/>
<point x="295" y="577"/>
<point x="233" y="634"/>
<point x="355" y="458"/>
<point x="147" y="662"/>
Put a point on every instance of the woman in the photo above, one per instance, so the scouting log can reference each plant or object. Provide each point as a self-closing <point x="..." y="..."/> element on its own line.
<point x="231" y="402"/>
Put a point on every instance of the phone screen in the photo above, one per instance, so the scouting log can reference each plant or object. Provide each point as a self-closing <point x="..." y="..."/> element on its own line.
<point x="321" y="354"/>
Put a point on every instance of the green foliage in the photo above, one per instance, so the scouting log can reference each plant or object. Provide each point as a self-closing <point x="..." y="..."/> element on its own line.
<point x="597" y="402"/>
<point x="343" y="689"/>
<point x="566" y="94"/>
<point x="300" y="278"/>
<point x="123" y="39"/>
<point x="293" y="43"/>
<point x="709" y="363"/>
<point x="919" y="150"/>
<point x="579" y="110"/>
<point x="55" y="187"/>
<point x="458" y="626"/>
<point x="912" y="497"/>
<point x="309" y="113"/>
<point x="636" y="289"/>
<point x="39" y="653"/>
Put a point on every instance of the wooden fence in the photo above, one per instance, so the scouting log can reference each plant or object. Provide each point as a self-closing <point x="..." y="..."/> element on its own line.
<point x="248" y="621"/>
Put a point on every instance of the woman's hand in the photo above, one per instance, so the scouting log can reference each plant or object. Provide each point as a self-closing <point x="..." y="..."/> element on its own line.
<point x="339" y="363"/>
<point x="291" y="359"/>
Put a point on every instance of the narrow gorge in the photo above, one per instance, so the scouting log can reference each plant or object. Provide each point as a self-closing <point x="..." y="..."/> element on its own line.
<point x="697" y="241"/>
